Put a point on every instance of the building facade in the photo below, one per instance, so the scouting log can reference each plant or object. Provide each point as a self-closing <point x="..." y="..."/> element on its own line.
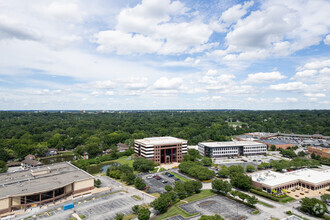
<point x="231" y="149"/>
<point x="41" y="186"/>
<point x="161" y="149"/>
<point x="305" y="178"/>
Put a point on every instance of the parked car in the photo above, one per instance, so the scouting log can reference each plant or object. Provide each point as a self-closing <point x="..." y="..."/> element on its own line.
<point x="170" y="175"/>
<point x="164" y="181"/>
<point x="176" y="179"/>
<point x="149" y="177"/>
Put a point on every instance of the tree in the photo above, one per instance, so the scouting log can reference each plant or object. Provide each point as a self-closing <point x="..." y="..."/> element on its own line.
<point x="139" y="183"/>
<point x="250" y="168"/>
<point x="241" y="181"/>
<point x="221" y="186"/>
<point x="313" y="206"/>
<point x="325" y="198"/>
<point x="243" y="196"/>
<point x="224" y="172"/>
<point x="161" y="204"/>
<point x="313" y="156"/>
<point x="168" y="188"/>
<point x="235" y="169"/>
<point x="179" y="188"/>
<point x="97" y="183"/>
<point x="197" y="186"/>
<point x="144" y="213"/>
<point x="135" y="209"/>
<point x="128" y="178"/>
<point x="143" y="165"/>
<point x="301" y="154"/>
<point x="3" y="166"/>
<point x="273" y="148"/>
<point x="119" y="216"/>
<point x="206" y="161"/>
<point x="252" y="200"/>
<point x="189" y="187"/>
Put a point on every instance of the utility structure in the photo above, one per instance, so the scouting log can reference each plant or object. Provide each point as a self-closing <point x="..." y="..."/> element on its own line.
<point x="161" y="149"/>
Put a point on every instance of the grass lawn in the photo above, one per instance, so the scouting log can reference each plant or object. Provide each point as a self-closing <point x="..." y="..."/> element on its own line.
<point x="124" y="160"/>
<point x="255" y="212"/>
<point x="155" y="195"/>
<point x="180" y="177"/>
<point x="176" y="210"/>
<point x="265" y="204"/>
<point x="129" y="217"/>
<point x="173" y="211"/>
<point x="286" y="199"/>
<point x="137" y="197"/>
<point x="203" y="194"/>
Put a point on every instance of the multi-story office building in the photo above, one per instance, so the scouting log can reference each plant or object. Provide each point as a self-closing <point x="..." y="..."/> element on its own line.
<point x="232" y="148"/>
<point x="161" y="149"/>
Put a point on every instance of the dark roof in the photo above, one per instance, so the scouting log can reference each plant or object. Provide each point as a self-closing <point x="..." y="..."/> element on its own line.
<point x="32" y="162"/>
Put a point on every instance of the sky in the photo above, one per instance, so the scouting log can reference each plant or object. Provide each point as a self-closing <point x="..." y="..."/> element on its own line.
<point x="164" y="54"/>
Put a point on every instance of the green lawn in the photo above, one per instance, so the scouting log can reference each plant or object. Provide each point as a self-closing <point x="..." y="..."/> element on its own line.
<point x="265" y="204"/>
<point x="176" y="210"/>
<point x="124" y="160"/>
<point x="180" y="177"/>
<point x="203" y="194"/>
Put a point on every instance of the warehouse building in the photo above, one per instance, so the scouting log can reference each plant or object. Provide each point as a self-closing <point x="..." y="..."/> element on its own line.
<point x="323" y="152"/>
<point x="305" y="178"/>
<point x="231" y="148"/>
<point x="277" y="143"/>
<point x="161" y="149"/>
<point x="39" y="186"/>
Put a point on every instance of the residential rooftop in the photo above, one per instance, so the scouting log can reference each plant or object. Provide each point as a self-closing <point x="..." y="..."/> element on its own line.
<point x="271" y="178"/>
<point x="42" y="179"/>
<point x="229" y="144"/>
<point x="160" y="141"/>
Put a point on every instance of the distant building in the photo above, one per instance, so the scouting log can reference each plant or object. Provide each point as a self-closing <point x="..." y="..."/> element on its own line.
<point x="30" y="157"/>
<point x="40" y="186"/>
<point x="122" y="147"/>
<point x="30" y="162"/>
<point x="323" y="152"/>
<point x="306" y="178"/>
<point x="51" y="152"/>
<point x="161" y="149"/>
<point x="231" y="148"/>
<point x="276" y="143"/>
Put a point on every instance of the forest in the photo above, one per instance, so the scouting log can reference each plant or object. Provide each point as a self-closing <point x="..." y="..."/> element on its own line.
<point x="22" y="133"/>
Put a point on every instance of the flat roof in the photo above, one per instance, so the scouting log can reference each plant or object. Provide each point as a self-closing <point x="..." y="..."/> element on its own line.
<point x="230" y="144"/>
<point x="271" y="178"/>
<point x="160" y="140"/>
<point x="272" y="141"/>
<point x="29" y="181"/>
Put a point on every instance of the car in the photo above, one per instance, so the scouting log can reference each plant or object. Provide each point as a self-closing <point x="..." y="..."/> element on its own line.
<point x="164" y="181"/>
<point x="149" y="177"/>
<point x="176" y="179"/>
<point x="158" y="178"/>
<point x="254" y="160"/>
<point x="217" y="169"/>
<point x="170" y="175"/>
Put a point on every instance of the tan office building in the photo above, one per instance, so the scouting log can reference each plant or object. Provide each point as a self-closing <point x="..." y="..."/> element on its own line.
<point x="40" y="186"/>
<point x="161" y="149"/>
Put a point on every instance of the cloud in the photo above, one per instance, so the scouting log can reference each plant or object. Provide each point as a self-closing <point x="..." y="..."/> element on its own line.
<point x="211" y="99"/>
<point x="278" y="29"/>
<point x="266" y="77"/>
<point x="284" y="100"/>
<point x="231" y="16"/>
<point x="315" y="95"/>
<point x="165" y="83"/>
<point x="148" y="28"/>
<point x="290" y="87"/>
<point x="327" y="40"/>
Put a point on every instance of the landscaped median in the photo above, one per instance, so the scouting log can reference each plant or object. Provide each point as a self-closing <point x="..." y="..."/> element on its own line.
<point x="184" y="179"/>
<point x="283" y="199"/>
<point x="176" y="210"/>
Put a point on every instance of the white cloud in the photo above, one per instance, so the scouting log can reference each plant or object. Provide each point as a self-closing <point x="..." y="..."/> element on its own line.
<point x="211" y="99"/>
<point x="290" y="87"/>
<point x="148" y="28"/>
<point x="266" y="77"/>
<point x="314" y="95"/>
<point x="278" y="29"/>
<point x="165" y="83"/>
<point x="327" y="40"/>
<point x="231" y="16"/>
<point x="304" y="74"/>
<point x="110" y="93"/>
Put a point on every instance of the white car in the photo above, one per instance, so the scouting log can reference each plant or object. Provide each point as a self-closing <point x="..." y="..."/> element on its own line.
<point x="149" y="177"/>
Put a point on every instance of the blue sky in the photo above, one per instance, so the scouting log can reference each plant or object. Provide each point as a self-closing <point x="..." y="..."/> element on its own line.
<point x="163" y="54"/>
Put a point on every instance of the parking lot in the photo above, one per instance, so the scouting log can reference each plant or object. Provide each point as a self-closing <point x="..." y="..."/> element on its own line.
<point x="158" y="186"/>
<point x="221" y="205"/>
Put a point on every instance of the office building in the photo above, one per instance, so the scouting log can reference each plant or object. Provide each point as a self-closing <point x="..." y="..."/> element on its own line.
<point x="231" y="148"/>
<point x="161" y="149"/>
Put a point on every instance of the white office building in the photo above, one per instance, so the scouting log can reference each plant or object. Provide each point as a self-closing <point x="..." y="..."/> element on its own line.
<point x="231" y="148"/>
